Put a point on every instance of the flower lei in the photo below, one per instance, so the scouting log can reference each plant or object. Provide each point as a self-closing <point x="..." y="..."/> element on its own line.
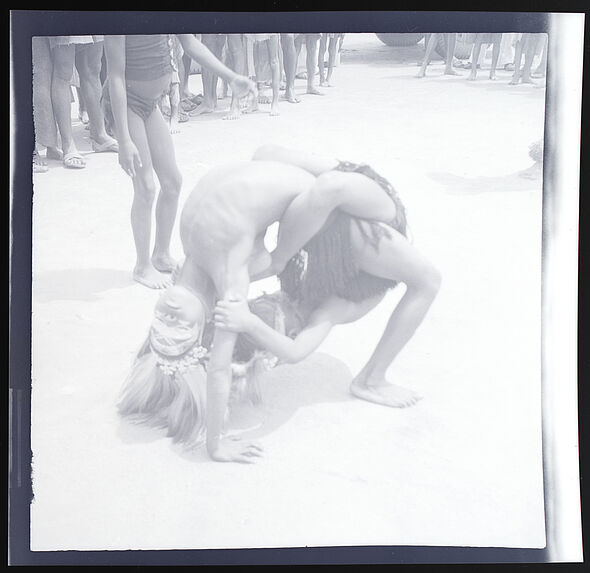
<point x="190" y="359"/>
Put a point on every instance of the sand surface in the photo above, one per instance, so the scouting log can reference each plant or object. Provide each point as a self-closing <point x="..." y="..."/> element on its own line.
<point x="463" y="467"/>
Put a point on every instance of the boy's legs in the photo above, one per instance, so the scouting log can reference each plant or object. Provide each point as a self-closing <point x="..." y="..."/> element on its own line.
<point x="88" y="64"/>
<point x="290" y="63"/>
<point x="332" y="50"/>
<point x="475" y="56"/>
<point x="44" y="118"/>
<point x="430" y="44"/>
<point x="272" y="47"/>
<point x="321" y="55"/>
<point x="451" y="41"/>
<point x="311" y="46"/>
<point x="497" y="41"/>
<point x="63" y="67"/>
<point x="237" y="54"/>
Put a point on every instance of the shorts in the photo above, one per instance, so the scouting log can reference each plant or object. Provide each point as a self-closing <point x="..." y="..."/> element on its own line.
<point x="78" y="40"/>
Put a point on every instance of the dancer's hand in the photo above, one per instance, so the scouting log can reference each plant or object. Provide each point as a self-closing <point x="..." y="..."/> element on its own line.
<point x="129" y="158"/>
<point x="243" y="87"/>
<point x="233" y="315"/>
<point x="236" y="450"/>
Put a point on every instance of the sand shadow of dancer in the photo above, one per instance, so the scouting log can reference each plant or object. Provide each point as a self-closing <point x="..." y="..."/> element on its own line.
<point x="529" y="179"/>
<point x="286" y="389"/>
<point x="77" y="284"/>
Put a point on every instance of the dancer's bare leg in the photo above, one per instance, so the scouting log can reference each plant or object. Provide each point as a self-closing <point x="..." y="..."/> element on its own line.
<point x="144" y="191"/>
<point x="395" y="259"/>
<point x="164" y="163"/>
<point x="352" y="193"/>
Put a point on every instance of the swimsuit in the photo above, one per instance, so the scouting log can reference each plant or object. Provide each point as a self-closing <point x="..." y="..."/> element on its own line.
<point x="326" y="267"/>
<point x="147" y="57"/>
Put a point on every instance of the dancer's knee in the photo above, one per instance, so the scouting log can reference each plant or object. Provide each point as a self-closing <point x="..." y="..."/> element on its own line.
<point x="172" y="183"/>
<point x="145" y="191"/>
<point x="326" y="190"/>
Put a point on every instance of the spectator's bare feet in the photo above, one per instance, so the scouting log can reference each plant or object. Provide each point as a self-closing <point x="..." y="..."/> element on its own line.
<point x="421" y="74"/>
<point x="201" y="109"/>
<point x="493" y="76"/>
<point x="174" y="125"/>
<point x="274" y="108"/>
<point x="472" y="76"/>
<point x="314" y="91"/>
<point x="451" y="72"/>
<point x="290" y="97"/>
<point x="150" y="277"/>
<point x="39" y="164"/>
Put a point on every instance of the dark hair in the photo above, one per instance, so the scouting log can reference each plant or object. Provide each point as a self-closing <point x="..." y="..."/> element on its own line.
<point x="268" y="307"/>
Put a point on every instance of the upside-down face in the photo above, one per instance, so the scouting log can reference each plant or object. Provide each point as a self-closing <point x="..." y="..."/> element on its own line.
<point x="179" y="317"/>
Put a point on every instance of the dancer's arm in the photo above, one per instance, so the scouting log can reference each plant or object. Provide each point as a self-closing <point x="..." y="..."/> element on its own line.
<point x="235" y="316"/>
<point x="219" y="376"/>
<point x="241" y="85"/>
<point x="115" y="54"/>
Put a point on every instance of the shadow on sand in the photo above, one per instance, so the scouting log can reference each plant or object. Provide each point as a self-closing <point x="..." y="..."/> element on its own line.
<point x="530" y="179"/>
<point x="286" y="389"/>
<point x="78" y="284"/>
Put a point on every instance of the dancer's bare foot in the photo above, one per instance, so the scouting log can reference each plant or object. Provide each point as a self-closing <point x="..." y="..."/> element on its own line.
<point x="384" y="393"/>
<point x="150" y="277"/>
<point x="314" y="91"/>
<point x="164" y="263"/>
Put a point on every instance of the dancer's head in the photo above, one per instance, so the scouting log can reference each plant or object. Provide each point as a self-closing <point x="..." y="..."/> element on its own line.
<point x="178" y="321"/>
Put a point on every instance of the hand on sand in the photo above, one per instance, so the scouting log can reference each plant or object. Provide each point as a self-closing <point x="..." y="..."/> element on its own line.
<point x="236" y="450"/>
<point x="233" y="315"/>
<point x="385" y="394"/>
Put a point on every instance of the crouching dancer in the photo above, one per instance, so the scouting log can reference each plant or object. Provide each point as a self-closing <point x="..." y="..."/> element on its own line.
<point x="353" y="226"/>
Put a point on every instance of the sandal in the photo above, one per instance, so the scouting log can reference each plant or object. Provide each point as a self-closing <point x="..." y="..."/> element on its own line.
<point x="74" y="160"/>
<point x="108" y="145"/>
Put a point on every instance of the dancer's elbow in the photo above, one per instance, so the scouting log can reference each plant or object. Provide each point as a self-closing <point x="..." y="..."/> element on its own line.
<point x="429" y="283"/>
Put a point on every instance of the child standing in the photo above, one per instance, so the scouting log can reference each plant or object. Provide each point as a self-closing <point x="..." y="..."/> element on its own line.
<point x="139" y="73"/>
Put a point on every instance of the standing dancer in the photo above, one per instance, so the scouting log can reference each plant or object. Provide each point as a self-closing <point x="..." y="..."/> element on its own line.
<point x="139" y="72"/>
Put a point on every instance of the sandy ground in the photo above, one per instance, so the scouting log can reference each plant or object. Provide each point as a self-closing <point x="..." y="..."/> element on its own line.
<point x="462" y="468"/>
